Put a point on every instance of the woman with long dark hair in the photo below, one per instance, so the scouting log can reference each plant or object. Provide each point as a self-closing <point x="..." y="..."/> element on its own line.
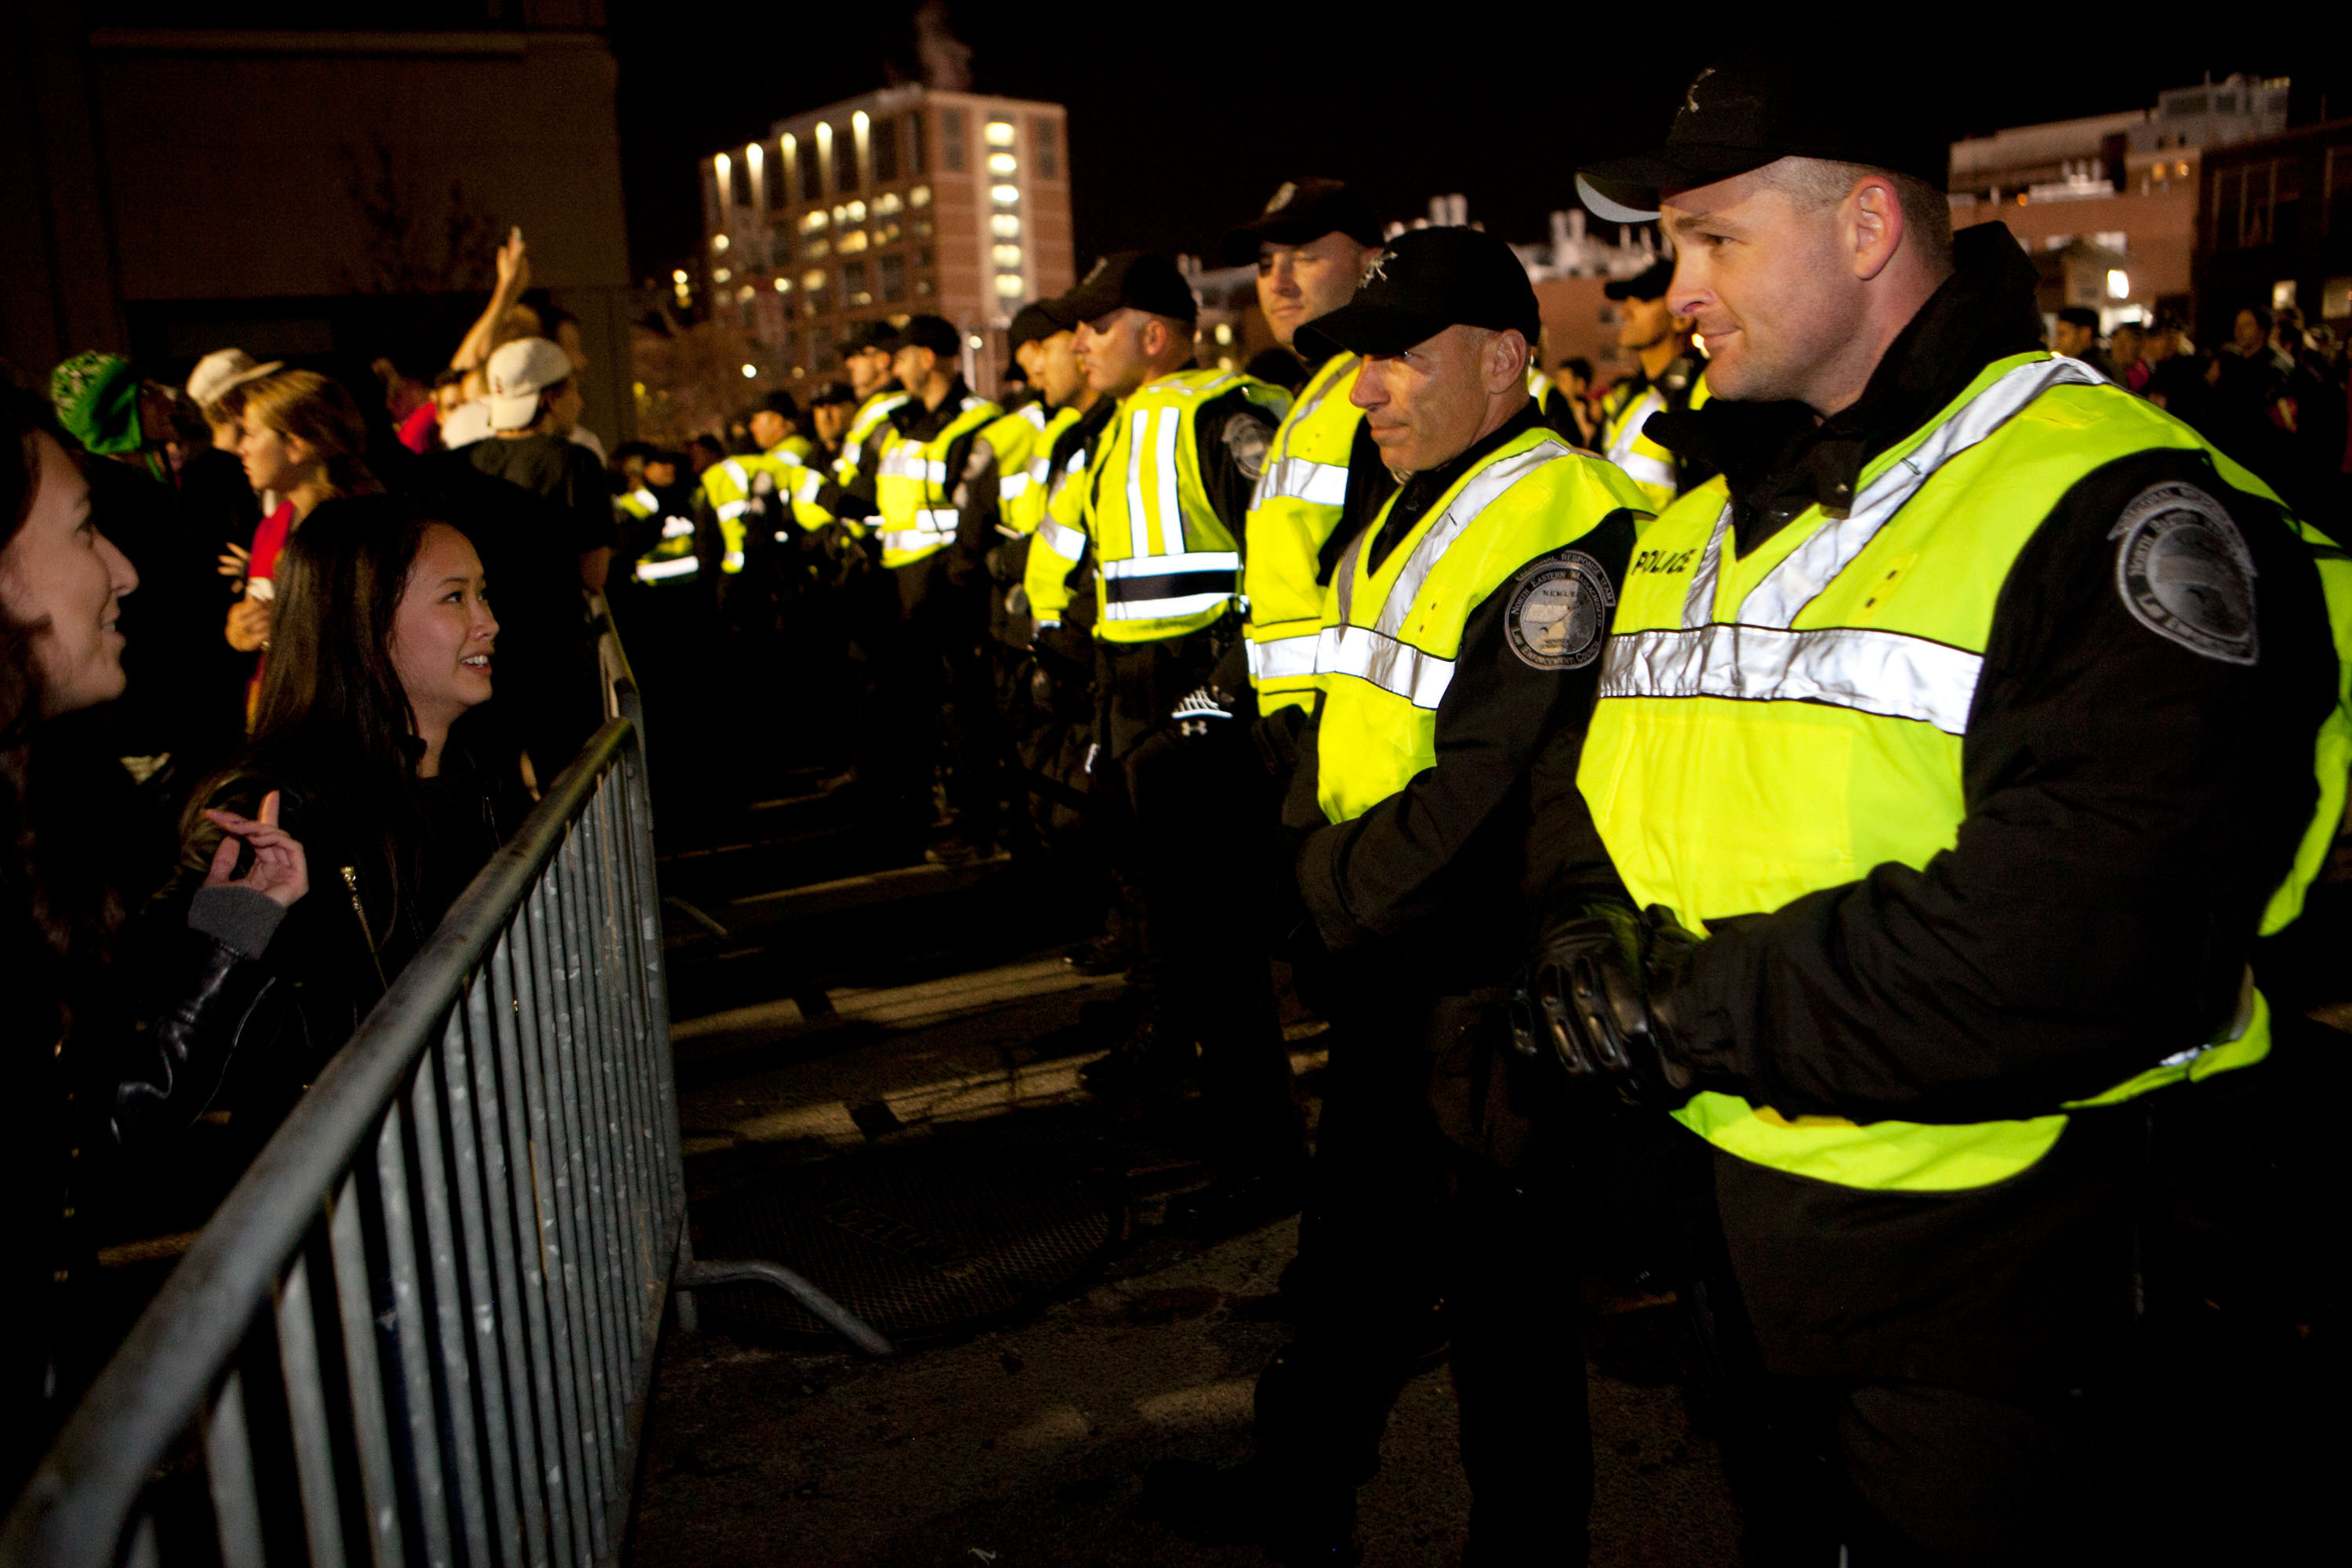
<point x="382" y="644"/>
<point x="105" y="1046"/>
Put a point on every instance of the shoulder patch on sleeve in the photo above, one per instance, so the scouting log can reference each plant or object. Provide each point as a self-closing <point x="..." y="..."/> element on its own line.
<point x="1246" y="435"/>
<point x="2184" y="572"/>
<point x="1559" y="611"/>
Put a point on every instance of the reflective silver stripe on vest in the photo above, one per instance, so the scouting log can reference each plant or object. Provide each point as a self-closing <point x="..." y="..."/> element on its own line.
<point x="1643" y="469"/>
<point x="677" y="527"/>
<point x="1041" y="469"/>
<point x="1868" y="670"/>
<point x="1796" y="582"/>
<point x="1162" y="434"/>
<point x="1011" y="485"/>
<point x="645" y="499"/>
<point x="654" y="570"/>
<point x="1629" y="429"/>
<point x="1157" y="587"/>
<point x="1168" y="565"/>
<point x="1302" y="478"/>
<point x="1378" y="653"/>
<point x="1069" y="543"/>
<point x="1283" y="659"/>
<point x="728" y="510"/>
<point x="736" y="471"/>
<point x="909" y="542"/>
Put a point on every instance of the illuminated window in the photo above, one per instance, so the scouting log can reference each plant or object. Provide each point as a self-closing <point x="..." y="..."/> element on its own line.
<point x="812" y="280"/>
<point x="815" y="221"/>
<point x="1225" y="333"/>
<point x="923" y="287"/>
<point x="885" y="234"/>
<point x="825" y="156"/>
<point x="841" y="215"/>
<point x="922" y="228"/>
<point x="745" y="292"/>
<point x="857" y="212"/>
<point x="817" y="250"/>
<point x="678" y="277"/>
<point x="887" y="202"/>
<point x="1000" y="133"/>
<point x="854" y="240"/>
<point x="1008" y="284"/>
<point x="1003" y="164"/>
<point x="1008" y="256"/>
<point x="852" y="285"/>
<point x="1005" y="195"/>
<point x="920" y="196"/>
<point x="719" y="242"/>
<point x="721" y="275"/>
<point x="1006" y="226"/>
<point x="784" y="285"/>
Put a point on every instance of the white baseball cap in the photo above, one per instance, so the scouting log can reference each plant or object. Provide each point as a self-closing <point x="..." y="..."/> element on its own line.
<point x="222" y="371"/>
<point x="467" y="424"/>
<point x="520" y="372"/>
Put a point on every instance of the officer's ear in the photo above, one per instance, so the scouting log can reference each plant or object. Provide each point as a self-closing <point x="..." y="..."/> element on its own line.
<point x="1506" y="360"/>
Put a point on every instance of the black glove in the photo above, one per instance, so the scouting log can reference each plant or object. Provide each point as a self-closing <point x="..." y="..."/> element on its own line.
<point x="1599" y="998"/>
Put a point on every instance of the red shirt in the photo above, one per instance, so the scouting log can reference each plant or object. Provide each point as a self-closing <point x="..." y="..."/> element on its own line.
<point x="269" y="539"/>
<point x="416" y="430"/>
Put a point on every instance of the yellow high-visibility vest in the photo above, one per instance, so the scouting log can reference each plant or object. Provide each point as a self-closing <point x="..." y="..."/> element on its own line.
<point x="1775" y="725"/>
<point x="914" y="492"/>
<point x="1300" y="495"/>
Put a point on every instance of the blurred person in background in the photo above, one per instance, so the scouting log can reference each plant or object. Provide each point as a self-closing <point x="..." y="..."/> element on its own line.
<point x="831" y="408"/>
<point x="2077" y="337"/>
<point x="305" y="442"/>
<point x="106" y="1049"/>
<point x="2125" y="346"/>
<point x="382" y="647"/>
<point x="1573" y="379"/>
<point x="216" y="387"/>
<point x="703" y="450"/>
<point x="541" y="512"/>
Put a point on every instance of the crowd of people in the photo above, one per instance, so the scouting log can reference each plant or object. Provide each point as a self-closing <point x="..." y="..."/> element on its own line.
<point x="1793" y="822"/>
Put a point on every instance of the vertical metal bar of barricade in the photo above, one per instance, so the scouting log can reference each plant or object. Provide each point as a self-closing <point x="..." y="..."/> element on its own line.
<point x="584" y="1097"/>
<point x="363" y="1370"/>
<point x="228" y="1472"/>
<point x="306" y="1410"/>
<point x="651" y="1199"/>
<point x="558" y="1459"/>
<point x="481" y="1317"/>
<point x="427" y="1466"/>
<point x="638" y="800"/>
<point x="461" y="1396"/>
<point x="625" y="1045"/>
<point x="551" y="1186"/>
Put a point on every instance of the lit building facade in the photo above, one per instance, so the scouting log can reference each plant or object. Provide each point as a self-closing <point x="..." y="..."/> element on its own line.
<point x="899" y="202"/>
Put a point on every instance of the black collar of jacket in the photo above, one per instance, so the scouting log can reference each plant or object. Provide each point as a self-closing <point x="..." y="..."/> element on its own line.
<point x="1779" y="458"/>
<point x="913" y="419"/>
<point x="1421" y="490"/>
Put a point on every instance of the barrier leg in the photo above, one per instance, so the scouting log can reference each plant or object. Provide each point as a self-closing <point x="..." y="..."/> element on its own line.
<point x="837" y="1316"/>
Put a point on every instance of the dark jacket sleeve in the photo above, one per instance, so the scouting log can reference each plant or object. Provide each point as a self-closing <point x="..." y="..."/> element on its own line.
<point x="1441" y="842"/>
<point x="1233" y="434"/>
<point x="976" y="499"/>
<point x="2131" y="805"/>
<point x="854" y="501"/>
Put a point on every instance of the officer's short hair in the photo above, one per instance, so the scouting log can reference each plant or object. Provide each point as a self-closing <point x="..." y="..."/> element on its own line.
<point x="1814" y="182"/>
<point x="2080" y="315"/>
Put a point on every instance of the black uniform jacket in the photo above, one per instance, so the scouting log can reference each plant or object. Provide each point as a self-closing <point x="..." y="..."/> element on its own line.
<point x="2131" y="803"/>
<point x="1444" y="870"/>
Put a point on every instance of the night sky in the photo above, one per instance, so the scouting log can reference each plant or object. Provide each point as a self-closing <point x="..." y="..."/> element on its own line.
<point x="1180" y="131"/>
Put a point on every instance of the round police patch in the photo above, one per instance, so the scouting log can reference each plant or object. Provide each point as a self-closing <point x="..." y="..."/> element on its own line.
<point x="1246" y="437"/>
<point x="2184" y="572"/>
<point x="1559" y="612"/>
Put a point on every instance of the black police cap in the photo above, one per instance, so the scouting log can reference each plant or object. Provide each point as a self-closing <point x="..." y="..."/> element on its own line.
<point x="778" y="401"/>
<point x="1649" y="283"/>
<point x="1031" y="325"/>
<point x="1132" y="278"/>
<point x="869" y="335"/>
<point x="1300" y="212"/>
<point x="1426" y="281"/>
<point x="832" y="393"/>
<point x="1741" y="114"/>
<point x="936" y="333"/>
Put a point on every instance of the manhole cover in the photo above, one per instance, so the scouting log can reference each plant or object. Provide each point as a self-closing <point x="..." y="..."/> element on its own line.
<point x="911" y="1241"/>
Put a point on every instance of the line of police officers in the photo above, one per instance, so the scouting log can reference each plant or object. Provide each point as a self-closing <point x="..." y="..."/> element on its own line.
<point x="1889" y="752"/>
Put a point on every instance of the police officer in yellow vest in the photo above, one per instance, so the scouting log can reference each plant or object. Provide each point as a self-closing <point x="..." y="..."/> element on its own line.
<point x="1960" y="741"/>
<point x="869" y="358"/>
<point x="1459" y="652"/>
<point x="933" y="672"/>
<point x="1669" y="375"/>
<point x="1309" y="247"/>
<point x="1163" y="508"/>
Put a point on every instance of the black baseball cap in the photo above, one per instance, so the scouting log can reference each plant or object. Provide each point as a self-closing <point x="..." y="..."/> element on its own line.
<point x="1302" y="210"/>
<point x="869" y="335"/>
<point x="1741" y="114"/>
<point x="1426" y="281"/>
<point x="1031" y="325"/>
<point x="778" y="401"/>
<point x="936" y="333"/>
<point x="831" y="393"/>
<point x="1650" y="283"/>
<point x="1140" y="279"/>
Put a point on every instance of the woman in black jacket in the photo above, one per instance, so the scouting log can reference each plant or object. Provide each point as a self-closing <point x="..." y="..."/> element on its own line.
<point x="105" y="1050"/>
<point x="381" y="646"/>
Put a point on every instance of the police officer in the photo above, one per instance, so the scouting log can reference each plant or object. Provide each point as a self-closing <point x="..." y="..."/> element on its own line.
<point x="1669" y="375"/>
<point x="1960" y="741"/>
<point x="831" y="408"/>
<point x="867" y="358"/>
<point x="1161" y="508"/>
<point x="996" y="473"/>
<point x="1309" y="247"/>
<point x="1458" y="656"/>
<point x="935" y="669"/>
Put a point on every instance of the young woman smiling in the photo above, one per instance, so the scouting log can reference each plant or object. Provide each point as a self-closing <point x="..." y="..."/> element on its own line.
<point x="107" y="1043"/>
<point x="383" y="646"/>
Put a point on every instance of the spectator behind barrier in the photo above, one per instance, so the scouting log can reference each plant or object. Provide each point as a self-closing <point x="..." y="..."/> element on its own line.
<point x="107" y="1046"/>
<point x="382" y="645"/>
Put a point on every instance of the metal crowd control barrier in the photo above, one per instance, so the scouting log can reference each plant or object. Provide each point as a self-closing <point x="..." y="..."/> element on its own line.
<point x="422" y="1328"/>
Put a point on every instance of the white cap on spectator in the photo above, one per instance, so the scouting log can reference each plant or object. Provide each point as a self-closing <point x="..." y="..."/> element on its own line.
<point x="223" y="370"/>
<point x="467" y="424"/>
<point x="520" y="372"/>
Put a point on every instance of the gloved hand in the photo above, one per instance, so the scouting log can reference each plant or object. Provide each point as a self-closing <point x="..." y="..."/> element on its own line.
<point x="1202" y="710"/>
<point x="1598" y="999"/>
